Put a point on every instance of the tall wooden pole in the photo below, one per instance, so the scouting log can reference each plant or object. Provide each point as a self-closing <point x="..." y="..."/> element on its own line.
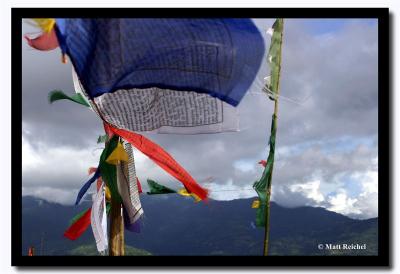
<point x="116" y="241"/>
<point x="117" y="237"/>
<point x="268" y="189"/>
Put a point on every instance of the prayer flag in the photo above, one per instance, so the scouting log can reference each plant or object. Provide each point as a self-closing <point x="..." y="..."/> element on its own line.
<point x="118" y="155"/>
<point x="127" y="186"/>
<point x="264" y="183"/>
<point x="274" y="58"/>
<point x="216" y="56"/>
<point x="99" y="220"/>
<point x="180" y="76"/>
<point x="156" y="188"/>
<point x="184" y="192"/>
<point x="43" y="42"/>
<point x="59" y="95"/>
<point x="78" y="227"/>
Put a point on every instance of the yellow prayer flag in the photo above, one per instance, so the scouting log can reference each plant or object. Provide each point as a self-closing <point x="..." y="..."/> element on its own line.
<point x="184" y="192"/>
<point x="108" y="194"/>
<point x="196" y="198"/>
<point x="255" y="204"/>
<point x="45" y="24"/>
<point x="119" y="154"/>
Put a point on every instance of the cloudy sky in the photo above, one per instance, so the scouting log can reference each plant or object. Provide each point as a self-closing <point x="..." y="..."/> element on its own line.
<point x="327" y="128"/>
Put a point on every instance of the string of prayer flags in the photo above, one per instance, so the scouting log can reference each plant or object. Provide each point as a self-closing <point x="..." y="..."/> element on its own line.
<point x="56" y="95"/>
<point x="263" y="186"/>
<point x="156" y="188"/>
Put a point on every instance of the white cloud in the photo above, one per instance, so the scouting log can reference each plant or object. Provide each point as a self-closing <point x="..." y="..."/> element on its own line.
<point x="311" y="190"/>
<point x="51" y="194"/>
<point x="341" y="203"/>
<point x="367" y="201"/>
<point x="245" y="165"/>
<point x="55" y="173"/>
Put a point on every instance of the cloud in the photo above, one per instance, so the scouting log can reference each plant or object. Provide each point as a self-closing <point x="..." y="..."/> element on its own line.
<point x="341" y="203"/>
<point x="325" y="139"/>
<point x="310" y="190"/>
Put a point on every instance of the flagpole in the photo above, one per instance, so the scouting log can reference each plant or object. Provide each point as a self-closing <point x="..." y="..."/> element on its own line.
<point x="117" y="239"/>
<point x="268" y="189"/>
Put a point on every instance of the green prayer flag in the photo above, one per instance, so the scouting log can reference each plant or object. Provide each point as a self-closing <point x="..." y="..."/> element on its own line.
<point x="156" y="188"/>
<point x="260" y="215"/>
<point x="263" y="185"/>
<point x="102" y="139"/>
<point x="108" y="171"/>
<point x="274" y="57"/>
<point x="108" y="207"/>
<point x="77" y="217"/>
<point x="56" y="95"/>
<point x="80" y="214"/>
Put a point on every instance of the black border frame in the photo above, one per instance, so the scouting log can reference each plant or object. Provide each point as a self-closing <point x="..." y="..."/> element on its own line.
<point x="383" y="259"/>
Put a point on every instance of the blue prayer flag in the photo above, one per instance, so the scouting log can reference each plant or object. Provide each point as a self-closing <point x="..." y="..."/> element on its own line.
<point x="216" y="56"/>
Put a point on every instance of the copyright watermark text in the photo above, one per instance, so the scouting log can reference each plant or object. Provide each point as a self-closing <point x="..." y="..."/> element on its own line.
<point x="348" y="246"/>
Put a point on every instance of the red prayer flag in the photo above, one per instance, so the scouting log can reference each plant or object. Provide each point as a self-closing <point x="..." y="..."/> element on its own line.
<point x="108" y="131"/>
<point x="92" y="170"/>
<point x="161" y="158"/>
<point x="77" y="228"/>
<point x="44" y="42"/>
<point x="139" y="186"/>
<point x="99" y="182"/>
<point x="263" y="163"/>
<point x="30" y="251"/>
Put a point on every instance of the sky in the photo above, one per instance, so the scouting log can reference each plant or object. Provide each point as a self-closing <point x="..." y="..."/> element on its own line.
<point x="326" y="147"/>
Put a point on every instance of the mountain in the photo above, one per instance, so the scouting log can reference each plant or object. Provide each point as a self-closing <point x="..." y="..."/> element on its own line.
<point x="90" y="250"/>
<point x="175" y="225"/>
